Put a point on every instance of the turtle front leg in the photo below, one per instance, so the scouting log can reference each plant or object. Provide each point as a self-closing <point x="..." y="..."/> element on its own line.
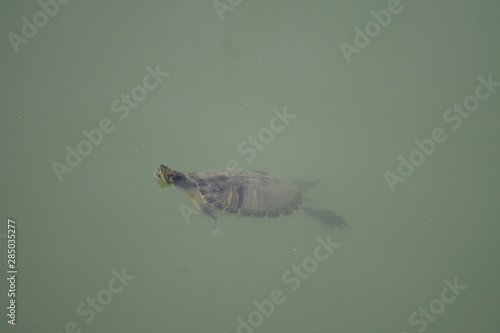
<point x="205" y="209"/>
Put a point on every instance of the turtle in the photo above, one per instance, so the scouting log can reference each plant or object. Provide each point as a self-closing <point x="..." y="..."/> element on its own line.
<point x="244" y="193"/>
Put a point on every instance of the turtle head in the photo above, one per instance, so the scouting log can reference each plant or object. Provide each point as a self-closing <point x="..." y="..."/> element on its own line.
<point x="169" y="175"/>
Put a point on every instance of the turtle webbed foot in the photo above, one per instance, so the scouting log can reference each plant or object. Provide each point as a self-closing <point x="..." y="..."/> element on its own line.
<point x="209" y="212"/>
<point x="216" y="230"/>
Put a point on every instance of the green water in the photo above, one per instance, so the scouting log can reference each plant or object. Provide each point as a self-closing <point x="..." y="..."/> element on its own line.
<point x="391" y="111"/>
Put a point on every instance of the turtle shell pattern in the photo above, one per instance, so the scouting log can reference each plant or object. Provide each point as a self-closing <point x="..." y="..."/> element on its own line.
<point x="247" y="193"/>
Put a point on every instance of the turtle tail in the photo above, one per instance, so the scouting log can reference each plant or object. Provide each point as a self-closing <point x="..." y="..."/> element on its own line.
<point x="327" y="216"/>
